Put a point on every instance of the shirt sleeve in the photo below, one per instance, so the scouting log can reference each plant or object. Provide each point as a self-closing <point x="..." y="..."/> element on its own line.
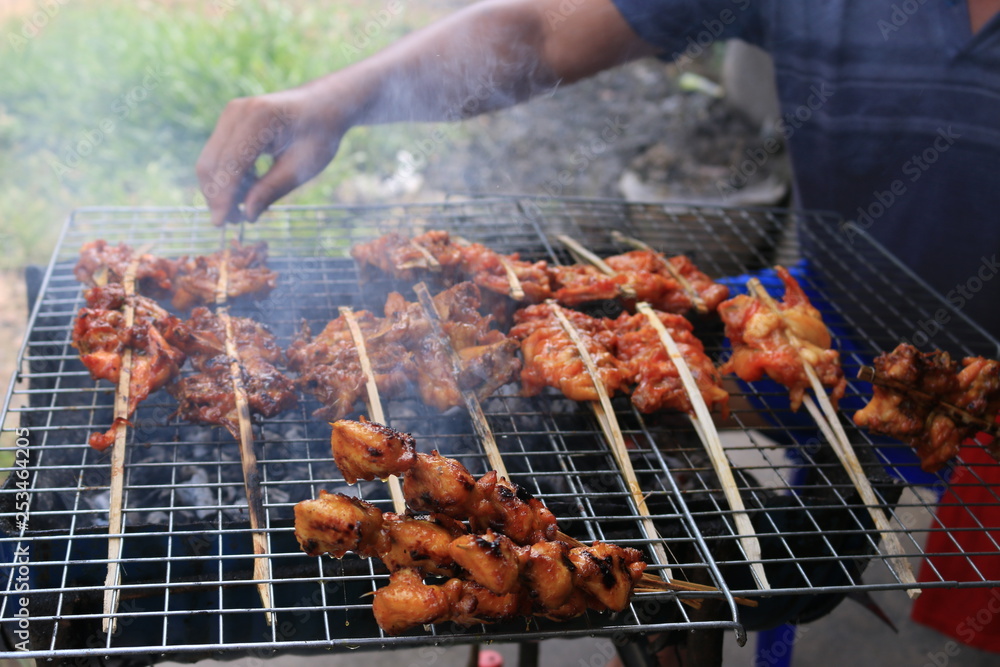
<point x="688" y="27"/>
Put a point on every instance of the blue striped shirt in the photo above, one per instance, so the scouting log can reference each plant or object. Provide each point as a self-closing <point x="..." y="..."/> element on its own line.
<point x="892" y="115"/>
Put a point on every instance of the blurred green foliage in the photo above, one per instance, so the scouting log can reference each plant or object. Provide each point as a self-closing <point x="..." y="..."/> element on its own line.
<point x="110" y="103"/>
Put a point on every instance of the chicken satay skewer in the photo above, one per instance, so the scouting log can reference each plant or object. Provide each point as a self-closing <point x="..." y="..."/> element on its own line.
<point x="472" y="404"/>
<point x="826" y="418"/>
<point x="248" y="457"/>
<point x="516" y="291"/>
<point x="613" y="434"/>
<point x="692" y="293"/>
<point x="374" y="402"/>
<point x="707" y="433"/>
<point x="117" y="491"/>
<point x="869" y="374"/>
<point x="585" y="256"/>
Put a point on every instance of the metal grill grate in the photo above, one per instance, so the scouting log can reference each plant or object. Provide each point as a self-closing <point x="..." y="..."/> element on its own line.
<point x="187" y="586"/>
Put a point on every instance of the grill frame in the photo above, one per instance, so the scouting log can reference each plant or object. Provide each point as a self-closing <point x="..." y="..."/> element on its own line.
<point x="530" y="222"/>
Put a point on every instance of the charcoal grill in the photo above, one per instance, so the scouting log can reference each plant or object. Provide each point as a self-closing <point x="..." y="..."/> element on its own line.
<point x="187" y="586"/>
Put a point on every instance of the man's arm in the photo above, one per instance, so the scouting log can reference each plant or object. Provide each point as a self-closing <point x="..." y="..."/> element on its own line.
<point x="485" y="57"/>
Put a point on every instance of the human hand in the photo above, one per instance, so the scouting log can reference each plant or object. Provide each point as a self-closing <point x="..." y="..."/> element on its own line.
<point x="290" y="125"/>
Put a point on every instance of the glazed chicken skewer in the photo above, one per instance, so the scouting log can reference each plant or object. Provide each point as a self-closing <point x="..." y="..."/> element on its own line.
<point x="826" y="418"/>
<point x="444" y="487"/>
<point x="373" y="400"/>
<point x="699" y="415"/>
<point x="546" y="577"/>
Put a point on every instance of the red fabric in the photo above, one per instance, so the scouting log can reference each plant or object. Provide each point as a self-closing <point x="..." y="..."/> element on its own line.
<point x="970" y="615"/>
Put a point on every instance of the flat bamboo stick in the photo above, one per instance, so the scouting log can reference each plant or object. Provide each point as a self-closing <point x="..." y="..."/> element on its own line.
<point x="374" y="402"/>
<point x="585" y="256"/>
<point x="251" y="474"/>
<point x="431" y="264"/>
<point x="248" y="457"/>
<point x="472" y="404"/>
<point x="117" y="491"/>
<point x="829" y="423"/>
<point x="705" y="428"/>
<point x="692" y="293"/>
<point x="613" y="434"/>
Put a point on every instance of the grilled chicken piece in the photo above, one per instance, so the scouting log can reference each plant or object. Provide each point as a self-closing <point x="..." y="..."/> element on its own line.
<point x="577" y="284"/>
<point x="485" y="268"/>
<point x="100" y="336"/>
<point x="406" y="542"/>
<point x="919" y="420"/>
<point x="247" y="273"/>
<point x="658" y="382"/>
<point x="437" y="483"/>
<point x="335" y="524"/>
<point x="499" y="504"/>
<point x="404" y="351"/>
<point x="490" y="559"/>
<point x="207" y="397"/>
<point x="101" y="263"/>
<point x="329" y="366"/>
<point x="761" y="345"/>
<point x="366" y="450"/>
<point x="646" y="272"/>
<point x="548" y="573"/>
<point x="607" y="572"/>
<point x="408" y="602"/>
<point x="551" y="358"/>
<point x="410" y="259"/>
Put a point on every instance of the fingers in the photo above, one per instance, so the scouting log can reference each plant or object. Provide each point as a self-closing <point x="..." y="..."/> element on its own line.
<point x="244" y="132"/>
<point x="303" y="160"/>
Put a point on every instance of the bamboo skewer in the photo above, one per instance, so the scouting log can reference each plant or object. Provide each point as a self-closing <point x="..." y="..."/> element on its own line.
<point x="612" y="432"/>
<point x="248" y="457"/>
<point x="374" y="402"/>
<point x="826" y="418"/>
<point x="117" y="491"/>
<point x="472" y="404"/>
<point x="692" y="293"/>
<point x="705" y="428"/>
<point x="431" y="264"/>
<point x="251" y="475"/>
<point x="585" y="256"/>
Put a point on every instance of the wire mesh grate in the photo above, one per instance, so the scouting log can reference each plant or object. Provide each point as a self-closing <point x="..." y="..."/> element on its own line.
<point x="187" y="586"/>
